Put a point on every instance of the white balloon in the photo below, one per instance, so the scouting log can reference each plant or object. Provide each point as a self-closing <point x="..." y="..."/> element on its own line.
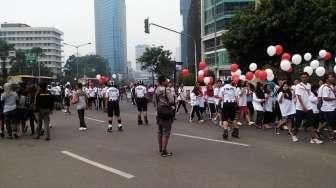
<point x="308" y="56"/>
<point x="320" y="71"/>
<point x="238" y="72"/>
<point x="308" y="70"/>
<point x="253" y="67"/>
<point x="201" y="73"/>
<point x="207" y="80"/>
<point x="285" y="65"/>
<point x="269" y="71"/>
<point x="271" y="50"/>
<point x="297" y="59"/>
<point x="314" y="64"/>
<point x="322" y="53"/>
<point x="242" y="77"/>
<point x="270" y="77"/>
<point x="98" y="76"/>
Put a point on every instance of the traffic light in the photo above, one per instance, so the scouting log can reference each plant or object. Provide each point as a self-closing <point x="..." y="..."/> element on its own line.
<point x="147" y="25"/>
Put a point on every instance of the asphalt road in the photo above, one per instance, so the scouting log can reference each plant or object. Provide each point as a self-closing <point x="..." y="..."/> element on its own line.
<point x="130" y="159"/>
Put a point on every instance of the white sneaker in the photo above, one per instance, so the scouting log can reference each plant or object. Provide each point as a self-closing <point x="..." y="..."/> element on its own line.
<point x="84" y="128"/>
<point x="251" y="123"/>
<point x="295" y="138"/>
<point x="80" y="128"/>
<point x="316" y="141"/>
<point x="201" y="121"/>
<point x="190" y="120"/>
<point x="239" y="123"/>
<point x="285" y="127"/>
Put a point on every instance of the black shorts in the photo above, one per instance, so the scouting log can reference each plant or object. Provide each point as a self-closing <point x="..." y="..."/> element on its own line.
<point x="113" y="108"/>
<point x="67" y="101"/>
<point x="142" y="104"/>
<point x="164" y="126"/>
<point x="229" y="111"/>
<point x="269" y="117"/>
<point x="212" y="107"/>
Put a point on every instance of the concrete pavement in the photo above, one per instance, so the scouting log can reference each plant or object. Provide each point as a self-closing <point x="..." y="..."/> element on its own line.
<point x="258" y="159"/>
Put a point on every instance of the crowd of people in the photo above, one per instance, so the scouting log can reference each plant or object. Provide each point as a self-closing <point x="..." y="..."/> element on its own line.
<point x="281" y="105"/>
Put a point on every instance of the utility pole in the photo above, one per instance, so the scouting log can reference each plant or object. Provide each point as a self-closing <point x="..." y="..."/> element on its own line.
<point x="147" y="30"/>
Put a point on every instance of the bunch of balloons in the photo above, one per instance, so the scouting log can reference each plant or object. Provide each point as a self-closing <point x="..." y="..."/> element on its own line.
<point x="203" y="74"/>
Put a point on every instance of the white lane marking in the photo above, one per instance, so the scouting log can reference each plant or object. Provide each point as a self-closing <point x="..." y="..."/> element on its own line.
<point x="212" y="140"/>
<point x="97" y="120"/>
<point x="98" y="165"/>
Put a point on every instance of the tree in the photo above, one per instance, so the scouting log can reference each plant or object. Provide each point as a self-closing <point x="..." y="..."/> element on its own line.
<point x="4" y="52"/>
<point x="89" y="65"/>
<point x="157" y="61"/>
<point x="299" y="25"/>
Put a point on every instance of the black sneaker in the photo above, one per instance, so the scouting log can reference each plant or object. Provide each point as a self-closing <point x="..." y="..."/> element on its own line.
<point x="164" y="154"/>
<point x="47" y="139"/>
<point x="140" y="122"/>
<point x="109" y="130"/>
<point x="120" y="128"/>
<point x="16" y="136"/>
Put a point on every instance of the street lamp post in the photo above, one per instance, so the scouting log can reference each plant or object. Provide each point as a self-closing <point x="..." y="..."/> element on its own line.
<point x="77" y="53"/>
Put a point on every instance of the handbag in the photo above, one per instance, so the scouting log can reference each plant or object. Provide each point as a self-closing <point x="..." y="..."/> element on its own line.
<point x="165" y="111"/>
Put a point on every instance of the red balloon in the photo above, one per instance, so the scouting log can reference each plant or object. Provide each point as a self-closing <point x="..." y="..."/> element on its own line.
<point x="257" y="73"/>
<point x="279" y="49"/>
<point x="234" y="67"/>
<point x="235" y="77"/>
<point x="249" y="76"/>
<point x="287" y="56"/>
<point x="202" y="65"/>
<point x="263" y="75"/>
<point x="328" y="56"/>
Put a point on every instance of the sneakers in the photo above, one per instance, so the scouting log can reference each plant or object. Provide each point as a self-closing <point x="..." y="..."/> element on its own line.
<point x="240" y="123"/>
<point x="251" y="123"/>
<point x="295" y="139"/>
<point x="277" y="131"/>
<point x="82" y="128"/>
<point x="235" y="133"/>
<point x="201" y="121"/>
<point x="316" y="141"/>
<point x="164" y="153"/>
<point x="120" y="127"/>
<point x="285" y="127"/>
<point x="190" y="120"/>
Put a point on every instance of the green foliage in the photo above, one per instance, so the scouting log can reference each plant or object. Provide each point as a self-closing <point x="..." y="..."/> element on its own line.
<point x="158" y="61"/>
<point x="299" y="25"/>
<point x="90" y="65"/>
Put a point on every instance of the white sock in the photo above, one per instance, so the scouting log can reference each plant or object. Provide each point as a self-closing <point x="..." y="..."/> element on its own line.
<point x="110" y="126"/>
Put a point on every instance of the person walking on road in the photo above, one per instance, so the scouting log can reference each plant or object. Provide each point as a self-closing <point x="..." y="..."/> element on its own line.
<point x="44" y="107"/>
<point x="112" y="97"/>
<point x="10" y="99"/>
<point x="141" y="101"/>
<point x="79" y="99"/>
<point x="165" y="114"/>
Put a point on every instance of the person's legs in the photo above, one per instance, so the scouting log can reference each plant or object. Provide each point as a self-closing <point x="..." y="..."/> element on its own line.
<point x="166" y="130"/>
<point x="39" y="125"/>
<point x="179" y="103"/>
<point x="198" y="113"/>
<point x="81" y="114"/>
<point x="46" y="119"/>
<point x="31" y="118"/>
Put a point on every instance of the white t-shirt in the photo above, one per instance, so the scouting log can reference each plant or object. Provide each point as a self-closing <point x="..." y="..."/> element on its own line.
<point x="91" y="92"/>
<point x="67" y="92"/>
<point x="269" y="103"/>
<point x="228" y="93"/>
<point x="182" y="95"/>
<point x="304" y="91"/>
<point x="257" y="103"/>
<point x="287" y="107"/>
<point x="328" y="92"/>
<point x="242" y="96"/>
<point x="313" y="101"/>
<point x="112" y="94"/>
<point x="216" y="95"/>
<point x="193" y="99"/>
<point x="140" y="91"/>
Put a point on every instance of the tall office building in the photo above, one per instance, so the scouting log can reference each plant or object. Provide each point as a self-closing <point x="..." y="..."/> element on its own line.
<point x="24" y="37"/>
<point x="184" y="11"/>
<point x="111" y="42"/>
<point x="215" y="18"/>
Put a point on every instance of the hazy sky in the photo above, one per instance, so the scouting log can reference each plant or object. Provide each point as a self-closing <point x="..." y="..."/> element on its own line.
<point x="76" y="19"/>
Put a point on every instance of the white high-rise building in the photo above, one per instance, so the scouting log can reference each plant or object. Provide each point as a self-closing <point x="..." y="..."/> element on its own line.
<point x="24" y="37"/>
<point x="139" y="51"/>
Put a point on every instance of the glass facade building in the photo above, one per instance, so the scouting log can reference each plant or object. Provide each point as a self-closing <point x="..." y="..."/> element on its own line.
<point x="216" y="15"/>
<point x="184" y="11"/>
<point x="111" y="42"/>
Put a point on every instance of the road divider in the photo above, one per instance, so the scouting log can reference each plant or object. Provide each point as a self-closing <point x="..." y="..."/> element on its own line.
<point x="98" y="165"/>
<point x="212" y="140"/>
<point x="93" y="119"/>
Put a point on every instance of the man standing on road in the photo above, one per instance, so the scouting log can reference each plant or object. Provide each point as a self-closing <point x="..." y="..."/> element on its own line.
<point x="112" y="97"/>
<point x="141" y="101"/>
<point x="79" y="98"/>
<point x="44" y="107"/>
<point x="165" y="117"/>
<point x="228" y="95"/>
